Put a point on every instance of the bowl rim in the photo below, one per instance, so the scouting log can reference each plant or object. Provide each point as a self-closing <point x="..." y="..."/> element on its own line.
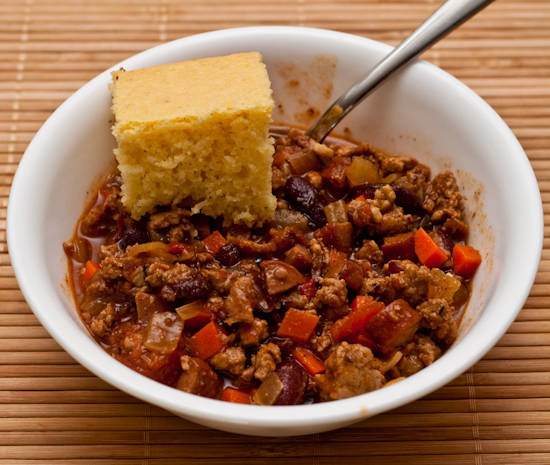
<point x="346" y="410"/>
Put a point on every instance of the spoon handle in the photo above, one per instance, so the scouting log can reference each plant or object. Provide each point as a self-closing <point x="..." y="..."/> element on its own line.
<point x="444" y="20"/>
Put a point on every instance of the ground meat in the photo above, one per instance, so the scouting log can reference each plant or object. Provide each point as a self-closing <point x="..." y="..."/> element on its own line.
<point x="370" y="251"/>
<point x="420" y="353"/>
<point x="349" y="373"/>
<point x="323" y="341"/>
<point x="250" y="247"/>
<point x="198" y="378"/>
<point x="438" y="316"/>
<point x="367" y="215"/>
<point x="411" y="284"/>
<point x="443" y="200"/>
<point x="265" y="361"/>
<point x="104" y="321"/>
<point x="155" y="273"/>
<point x="231" y="360"/>
<point x="163" y="220"/>
<point x="252" y="334"/>
<point x="221" y="279"/>
<point x="333" y="292"/>
<point x="320" y="256"/>
<point x="239" y="304"/>
<point x="278" y="178"/>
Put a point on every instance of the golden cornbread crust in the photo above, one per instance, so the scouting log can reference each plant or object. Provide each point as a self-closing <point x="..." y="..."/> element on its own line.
<point x="196" y="129"/>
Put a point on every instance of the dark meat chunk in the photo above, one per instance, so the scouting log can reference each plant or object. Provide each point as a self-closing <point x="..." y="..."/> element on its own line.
<point x="288" y="237"/>
<point x="349" y="373"/>
<point x="299" y="257"/>
<point x="280" y="276"/>
<point x="394" y="326"/>
<point x="198" y="378"/>
<point x="399" y="247"/>
<point x="336" y="235"/>
<point x="335" y="172"/>
<point x="352" y="274"/>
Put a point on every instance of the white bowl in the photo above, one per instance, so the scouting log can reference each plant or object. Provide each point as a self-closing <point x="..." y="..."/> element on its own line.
<point x="423" y="112"/>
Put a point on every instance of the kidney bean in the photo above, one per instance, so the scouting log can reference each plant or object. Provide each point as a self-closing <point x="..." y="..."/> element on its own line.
<point x="294" y="379"/>
<point x="228" y="255"/>
<point x="301" y="193"/>
<point x="193" y="287"/>
<point x="135" y="233"/>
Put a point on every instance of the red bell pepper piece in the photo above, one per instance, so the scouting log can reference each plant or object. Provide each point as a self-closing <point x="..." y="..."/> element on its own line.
<point x="313" y="364"/>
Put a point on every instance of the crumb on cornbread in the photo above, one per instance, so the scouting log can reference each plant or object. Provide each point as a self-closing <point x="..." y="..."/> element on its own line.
<point x="196" y="129"/>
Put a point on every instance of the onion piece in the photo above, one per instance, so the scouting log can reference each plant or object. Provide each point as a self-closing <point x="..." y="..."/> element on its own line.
<point x="163" y="332"/>
<point x="303" y="161"/>
<point x="269" y="391"/>
<point x="443" y="285"/>
<point x="336" y="212"/>
<point x="362" y="171"/>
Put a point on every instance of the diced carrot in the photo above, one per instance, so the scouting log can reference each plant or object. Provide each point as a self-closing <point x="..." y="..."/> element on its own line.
<point x="394" y="326"/>
<point x="313" y="364"/>
<point x="427" y="251"/>
<point x="355" y="320"/>
<point x="89" y="271"/>
<point x="466" y="260"/>
<point x="298" y="325"/>
<point x="235" y="396"/>
<point x="214" y="242"/>
<point x="207" y="341"/>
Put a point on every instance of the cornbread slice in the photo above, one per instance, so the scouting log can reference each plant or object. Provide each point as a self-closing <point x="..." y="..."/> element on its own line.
<point x="197" y="129"/>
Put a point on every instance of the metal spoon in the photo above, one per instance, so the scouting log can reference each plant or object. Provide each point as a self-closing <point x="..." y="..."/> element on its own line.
<point x="444" y="20"/>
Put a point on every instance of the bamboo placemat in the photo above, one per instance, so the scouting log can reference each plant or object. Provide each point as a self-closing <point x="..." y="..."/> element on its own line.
<point x="52" y="411"/>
